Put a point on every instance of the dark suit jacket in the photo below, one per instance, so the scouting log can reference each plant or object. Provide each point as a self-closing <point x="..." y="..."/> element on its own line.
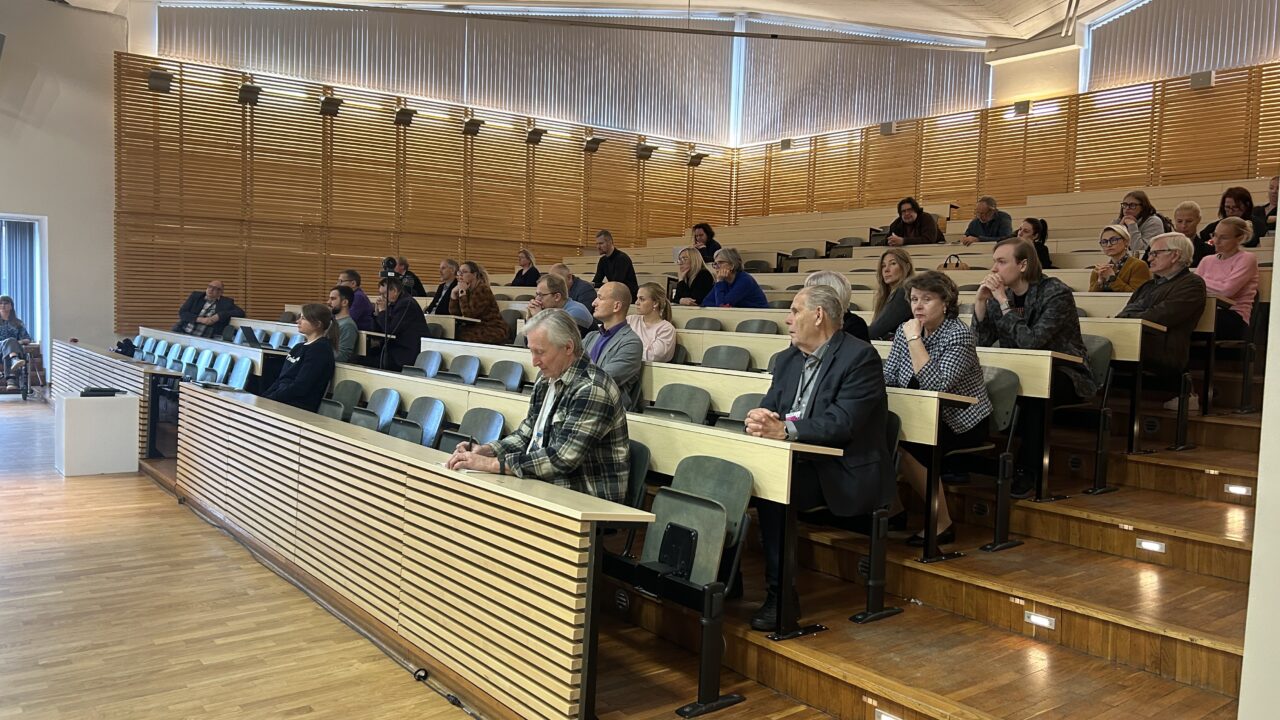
<point x="414" y="285"/>
<point x="849" y="409"/>
<point x="405" y="320"/>
<point x="1176" y="303"/>
<point x="440" y="301"/>
<point x="225" y="309"/>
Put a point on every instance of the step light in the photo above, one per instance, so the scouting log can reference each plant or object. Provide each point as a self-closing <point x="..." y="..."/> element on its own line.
<point x="1039" y="620"/>
<point x="1237" y="489"/>
<point x="1151" y="545"/>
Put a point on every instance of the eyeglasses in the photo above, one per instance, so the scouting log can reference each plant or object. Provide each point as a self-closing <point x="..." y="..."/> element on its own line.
<point x="1130" y="205"/>
<point x="1108" y="242"/>
<point x="541" y="295"/>
<point x="1157" y="253"/>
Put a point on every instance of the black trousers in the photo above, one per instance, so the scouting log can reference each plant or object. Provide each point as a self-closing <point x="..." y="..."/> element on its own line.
<point x="1034" y="416"/>
<point x="806" y="493"/>
<point x="1229" y="325"/>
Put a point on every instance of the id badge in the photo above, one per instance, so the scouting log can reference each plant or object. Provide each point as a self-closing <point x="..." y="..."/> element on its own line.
<point x="793" y="416"/>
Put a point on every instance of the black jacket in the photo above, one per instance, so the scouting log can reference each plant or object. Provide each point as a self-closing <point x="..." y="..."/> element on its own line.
<point x="526" y="278"/>
<point x="413" y="284"/>
<point x="616" y="267"/>
<point x="225" y="308"/>
<point x="440" y="301"/>
<point x="896" y="311"/>
<point x="708" y="252"/>
<point x="1176" y="303"/>
<point x="849" y="409"/>
<point x="404" y="320"/>
<point x="305" y="377"/>
<point x="702" y="284"/>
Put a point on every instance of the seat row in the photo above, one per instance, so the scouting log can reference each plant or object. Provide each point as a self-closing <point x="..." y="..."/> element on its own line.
<point x="422" y="423"/>
<point x="195" y="364"/>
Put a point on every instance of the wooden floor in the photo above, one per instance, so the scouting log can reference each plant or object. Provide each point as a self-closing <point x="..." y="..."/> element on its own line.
<point x="116" y="602"/>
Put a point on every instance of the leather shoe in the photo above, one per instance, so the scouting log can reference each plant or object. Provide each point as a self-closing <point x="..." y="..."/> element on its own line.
<point x="898" y="522"/>
<point x="765" y="618"/>
<point x="1023" y="486"/>
<point x="946" y="537"/>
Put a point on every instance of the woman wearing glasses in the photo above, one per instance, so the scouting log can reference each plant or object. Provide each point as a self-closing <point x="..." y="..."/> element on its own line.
<point x="1121" y="272"/>
<point x="1139" y="218"/>
<point x="1236" y="202"/>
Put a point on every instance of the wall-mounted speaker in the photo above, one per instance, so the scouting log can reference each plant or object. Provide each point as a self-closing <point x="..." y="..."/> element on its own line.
<point x="1203" y="80"/>
<point x="889" y="128"/>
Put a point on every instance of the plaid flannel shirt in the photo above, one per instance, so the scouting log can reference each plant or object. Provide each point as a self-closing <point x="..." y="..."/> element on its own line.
<point x="585" y="447"/>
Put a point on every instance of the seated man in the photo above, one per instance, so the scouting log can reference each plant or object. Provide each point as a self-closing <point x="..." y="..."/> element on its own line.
<point x="551" y="293"/>
<point x="827" y="389"/>
<point x="1174" y="298"/>
<point x="400" y="316"/>
<point x="361" y="307"/>
<point x="411" y="281"/>
<point x="579" y="289"/>
<point x="205" y="314"/>
<point x="575" y="433"/>
<point x="616" y="348"/>
<point x="340" y="298"/>
<point x="448" y="279"/>
<point x="989" y="224"/>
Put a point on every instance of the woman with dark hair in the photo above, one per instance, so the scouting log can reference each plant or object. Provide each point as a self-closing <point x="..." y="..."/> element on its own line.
<point x="1018" y="306"/>
<point x="1036" y="232"/>
<point x="914" y="226"/>
<point x="695" y="280"/>
<point x="889" y="308"/>
<point x="934" y="350"/>
<point x="1236" y="202"/>
<point x="473" y="298"/>
<point x="704" y="238"/>
<point x="1121" y="272"/>
<point x="1140" y="218"/>
<point x="308" y="370"/>
<point x="13" y="336"/>
<point x="528" y="274"/>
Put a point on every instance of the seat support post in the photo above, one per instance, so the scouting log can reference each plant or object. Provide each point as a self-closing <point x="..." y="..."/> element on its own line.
<point x="1180" y="430"/>
<point x="788" y="614"/>
<point x="709" y="658"/>
<point x="931" y="552"/>
<point x="876" y="571"/>
<point x="1004" y="478"/>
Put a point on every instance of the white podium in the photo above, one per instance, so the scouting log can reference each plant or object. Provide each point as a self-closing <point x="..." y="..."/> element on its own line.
<point x="95" y="435"/>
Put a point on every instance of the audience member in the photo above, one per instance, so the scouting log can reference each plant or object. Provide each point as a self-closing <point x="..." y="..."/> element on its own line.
<point x="579" y="289"/>
<point x="614" y="265"/>
<point x="733" y="287"/>
<point x="399" y="316"/>
<point x="1175" y="299"/>
<point x="411" y="281"/>
<point x="652" y="324"/>
<point x="340" y="297"/>
<point x="552" y="293"/>
<point x="13" y="339"/>
<point x="615" y="348"/>
<point x="889" y="308"/>
<point x="1231" y="274"/>
<point x="1121" y="272"/>
<point x="852" y="323"/>
<point x="1236" y="202"/>
<point x="827" y="389"/>
<point x="473" y="298"/>
<point x="361" y="307"/>
<point x="575" y="433"/>
<point x="913" y="226"/>
<point x="1018" y="306"/>
<point x="448" y="279"/>
<point x="704" y="239"/>
<point x="308" y="370"/>
<point x="694" y="279"/>
<point x="1036" y="232"/>
<point x="528" y="274"/>
<point x="205" y="314"/>
<point x="989" y="224"/>
<point x="1140" y="219"/>
<point x="935" y="350"/>
<point x="1264" y="217"/>
<point x="1186" y="220"/>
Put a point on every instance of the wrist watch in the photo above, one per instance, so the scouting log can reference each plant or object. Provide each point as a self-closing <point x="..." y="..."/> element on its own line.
<point x="913" y="337"/>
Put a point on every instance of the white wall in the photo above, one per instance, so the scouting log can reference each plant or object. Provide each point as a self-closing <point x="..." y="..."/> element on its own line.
<point x="56" y="141"/>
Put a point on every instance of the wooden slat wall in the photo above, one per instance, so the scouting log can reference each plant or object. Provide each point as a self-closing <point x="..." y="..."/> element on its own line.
<point x="275" y="200"/>
<point x="73" y="368"/>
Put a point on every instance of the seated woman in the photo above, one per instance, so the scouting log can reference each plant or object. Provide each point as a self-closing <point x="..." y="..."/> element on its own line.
<point x="1018" y="306"/>
<point x="13" y="336"/>
<point x="734" y="287"/>
<point x="1139" y="217"/>
<point x="935" y="350"/>
<point x="653" y="323"/>
<point x="1232" y="275"/>
<point x="695" y="280"/>
<point x="527" y="275"/>
<point x="472" y="298"/>
<point x="852" y="324"/>
<point x="1036" y="232"/>
<point x="1121" y="272"/>
<point x="913" y="226"/>
<point x="889" y="308"/>
<point x="704" y="238"/>
<point x="1236" y="202"/>
<point x="308" y="370"/>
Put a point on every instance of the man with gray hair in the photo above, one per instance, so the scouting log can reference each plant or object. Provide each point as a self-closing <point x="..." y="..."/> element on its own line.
<point x="988" y="224"/>
<point x="448" y="278"/>
<point x="579" y="290"/>
<point x="827" y="389"/>
<point x="575" y="433"/>
<point x="1174" y="298"/>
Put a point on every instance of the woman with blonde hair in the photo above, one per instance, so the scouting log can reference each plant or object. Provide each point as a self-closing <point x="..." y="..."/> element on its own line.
<point x="527" y="275"/>
<point x="695" y="280"/>
<point x="652" y="322"/>
<point x="472" y="298"/>
<point x="890" y="308"/>
<point x="1231" y="274"/>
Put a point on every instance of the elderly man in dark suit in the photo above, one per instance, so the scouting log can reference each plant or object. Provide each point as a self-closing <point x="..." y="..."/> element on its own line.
<point x="828" y="389"/>
<point x="205" y="314"/>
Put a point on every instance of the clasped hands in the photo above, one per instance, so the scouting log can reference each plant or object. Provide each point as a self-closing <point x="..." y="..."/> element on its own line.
<point x="993" y="288"/>
<point x="764" y="423"/>
<point x="473" y="457"/>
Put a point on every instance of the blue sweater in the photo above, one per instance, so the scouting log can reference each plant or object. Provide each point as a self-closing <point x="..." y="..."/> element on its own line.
<point x="743" y="292"/>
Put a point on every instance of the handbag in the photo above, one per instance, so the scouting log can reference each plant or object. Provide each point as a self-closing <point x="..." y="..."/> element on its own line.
<point x="953" y="262"/>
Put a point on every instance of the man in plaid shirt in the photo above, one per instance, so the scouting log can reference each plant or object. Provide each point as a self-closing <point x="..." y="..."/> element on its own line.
<point x="575" y="434"/>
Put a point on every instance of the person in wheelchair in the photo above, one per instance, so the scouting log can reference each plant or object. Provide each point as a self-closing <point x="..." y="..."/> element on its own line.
<point x="13" y="341"/>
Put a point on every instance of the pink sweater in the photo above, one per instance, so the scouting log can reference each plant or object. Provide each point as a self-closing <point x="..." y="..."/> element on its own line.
<point x="1234" y="279"/>
<point x="659" y="340"/>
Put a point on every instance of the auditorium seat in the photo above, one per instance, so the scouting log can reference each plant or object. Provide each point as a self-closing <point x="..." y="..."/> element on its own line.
<point x="757" y="266"/>
<point x="276" y="340"/>
<point x="758" y="326"/>
<point x="679" y="401"/>
<point x="196" y="369"/>
<point x="229" y="333"/>
<point x="217" y="372"/>
<point x="512" y="317"/>
<point x="187" y="357"/>
<point x="680" y="356"/>
<point x="377" y="413"/>
<point x="160" y="349"/>
<point x="503" y="375"/>
<point x="346" y="395"/>
<point x="737" y="416"/>
<point x="169" y="359"/>
<point x="147" y="347"/>
<point x="780" y="304"/>
<point x="727" y="357"/>
<point x="481" y="425"/>
<point x="296" y="340"/>
<point x="288" y="316"/>
<point x="427" y="364"/>
<point x="638" y="464"/>
<point x="462" y="369"/>
<point x="421" y="424"/>
<point x="704" y="323"/>
<point x="239" y="375"/>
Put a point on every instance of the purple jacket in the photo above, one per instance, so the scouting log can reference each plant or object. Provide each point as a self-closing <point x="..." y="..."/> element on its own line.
<point x="362" y="311"/>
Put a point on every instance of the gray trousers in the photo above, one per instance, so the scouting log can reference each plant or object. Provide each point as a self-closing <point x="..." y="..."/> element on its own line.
<point x="10" y="347"/>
